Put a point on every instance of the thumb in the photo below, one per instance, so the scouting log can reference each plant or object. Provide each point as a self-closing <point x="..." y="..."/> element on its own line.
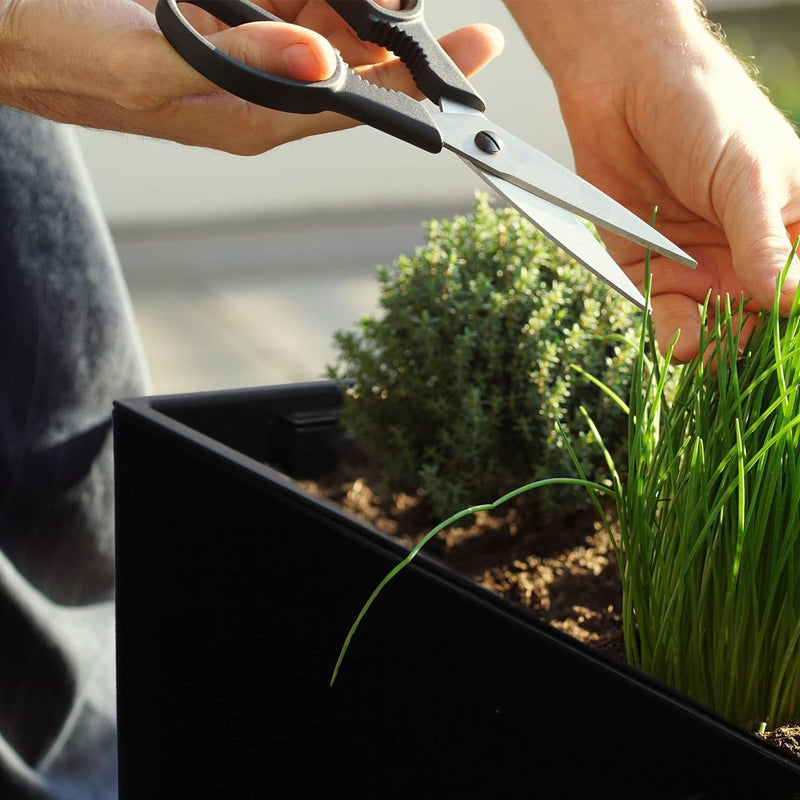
<point x="752" y="217"/>
<point x="279" y="48"/>
<point x="288" y="51"/>
<point x="760" y="248"/>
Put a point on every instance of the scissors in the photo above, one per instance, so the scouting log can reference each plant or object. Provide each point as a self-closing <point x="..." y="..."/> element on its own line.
<point x="550" y="195"/>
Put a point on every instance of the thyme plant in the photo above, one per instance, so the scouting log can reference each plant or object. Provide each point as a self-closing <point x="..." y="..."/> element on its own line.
<point x="461" y="381"/>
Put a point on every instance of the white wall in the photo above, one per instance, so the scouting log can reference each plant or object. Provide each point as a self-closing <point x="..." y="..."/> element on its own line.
<point x="142" y="181"/>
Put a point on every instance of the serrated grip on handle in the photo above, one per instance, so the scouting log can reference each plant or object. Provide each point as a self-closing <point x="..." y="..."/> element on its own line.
<point x="344" y="92"/>
<point x="407" y="35"/>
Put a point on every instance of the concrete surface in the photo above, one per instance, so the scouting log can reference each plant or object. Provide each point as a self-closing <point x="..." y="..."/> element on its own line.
<point x="256" y="303"/>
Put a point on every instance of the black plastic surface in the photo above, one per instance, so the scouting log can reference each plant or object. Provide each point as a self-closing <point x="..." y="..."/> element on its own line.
<point x="407" y="35"/>
<point x="235" y="589"/>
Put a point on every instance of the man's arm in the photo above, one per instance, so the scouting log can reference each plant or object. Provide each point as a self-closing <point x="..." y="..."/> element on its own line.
<point x="105" y="64"/>
<point x="660" y="113"/>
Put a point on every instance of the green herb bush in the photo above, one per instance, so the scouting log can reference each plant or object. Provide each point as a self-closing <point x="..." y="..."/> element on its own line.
<point x="460" y="382"/>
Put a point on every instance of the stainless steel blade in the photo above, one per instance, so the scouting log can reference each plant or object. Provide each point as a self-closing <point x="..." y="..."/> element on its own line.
<point x="566" y="230"/>
<point x="518" y="163"/>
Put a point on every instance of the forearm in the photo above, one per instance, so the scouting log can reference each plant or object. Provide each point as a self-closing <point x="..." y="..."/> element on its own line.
<point x="587" y="39"/>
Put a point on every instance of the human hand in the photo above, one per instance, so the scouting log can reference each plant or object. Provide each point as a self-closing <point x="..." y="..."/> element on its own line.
<point x="105" y="64"/>
<point x="659" y="113"/>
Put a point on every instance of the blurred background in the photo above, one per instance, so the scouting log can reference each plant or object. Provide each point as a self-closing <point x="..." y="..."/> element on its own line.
<point x="241" y="269"/>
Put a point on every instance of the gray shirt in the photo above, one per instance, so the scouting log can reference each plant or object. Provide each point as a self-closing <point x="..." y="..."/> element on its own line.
<point x="68" y="348"/>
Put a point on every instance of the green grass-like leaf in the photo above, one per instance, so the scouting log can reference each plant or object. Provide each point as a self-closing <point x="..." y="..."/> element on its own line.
<point x="710" y="541"/>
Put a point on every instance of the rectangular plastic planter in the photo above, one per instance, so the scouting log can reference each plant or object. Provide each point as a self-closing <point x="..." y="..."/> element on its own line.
<point x="235" y="589"/>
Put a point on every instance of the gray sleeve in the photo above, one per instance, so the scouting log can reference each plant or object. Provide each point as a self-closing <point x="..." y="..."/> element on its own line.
<point x="68" y="348"/>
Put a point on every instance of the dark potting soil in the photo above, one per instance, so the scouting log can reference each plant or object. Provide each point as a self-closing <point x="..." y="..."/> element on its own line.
<point x="560" y="567"/>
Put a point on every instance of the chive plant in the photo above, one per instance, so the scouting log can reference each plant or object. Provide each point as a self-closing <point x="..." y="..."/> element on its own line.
<point x="708" y="524"/>
<point x="709" y="534"/>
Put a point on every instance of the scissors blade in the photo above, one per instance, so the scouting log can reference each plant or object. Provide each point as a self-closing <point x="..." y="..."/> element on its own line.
<point x="567" y="231"/>
<point x="518" y="163"/>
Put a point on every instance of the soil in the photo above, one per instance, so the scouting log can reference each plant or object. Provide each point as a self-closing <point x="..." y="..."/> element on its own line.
<point x="561" y="567"/>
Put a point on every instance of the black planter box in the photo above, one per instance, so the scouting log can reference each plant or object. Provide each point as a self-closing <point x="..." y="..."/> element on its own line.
<point x="235" y="589"/>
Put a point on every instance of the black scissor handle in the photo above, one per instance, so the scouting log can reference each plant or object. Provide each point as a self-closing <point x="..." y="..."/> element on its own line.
<point x="406" y="34"/>
<point x="344" y="92"/>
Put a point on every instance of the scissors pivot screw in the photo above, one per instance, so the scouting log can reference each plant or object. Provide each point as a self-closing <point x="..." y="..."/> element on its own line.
<point x="489" y="142"/>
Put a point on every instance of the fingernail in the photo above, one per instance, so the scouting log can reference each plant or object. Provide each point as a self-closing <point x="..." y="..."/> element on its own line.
<point x="301" y="63"/>
<point x="792" y="275"/>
